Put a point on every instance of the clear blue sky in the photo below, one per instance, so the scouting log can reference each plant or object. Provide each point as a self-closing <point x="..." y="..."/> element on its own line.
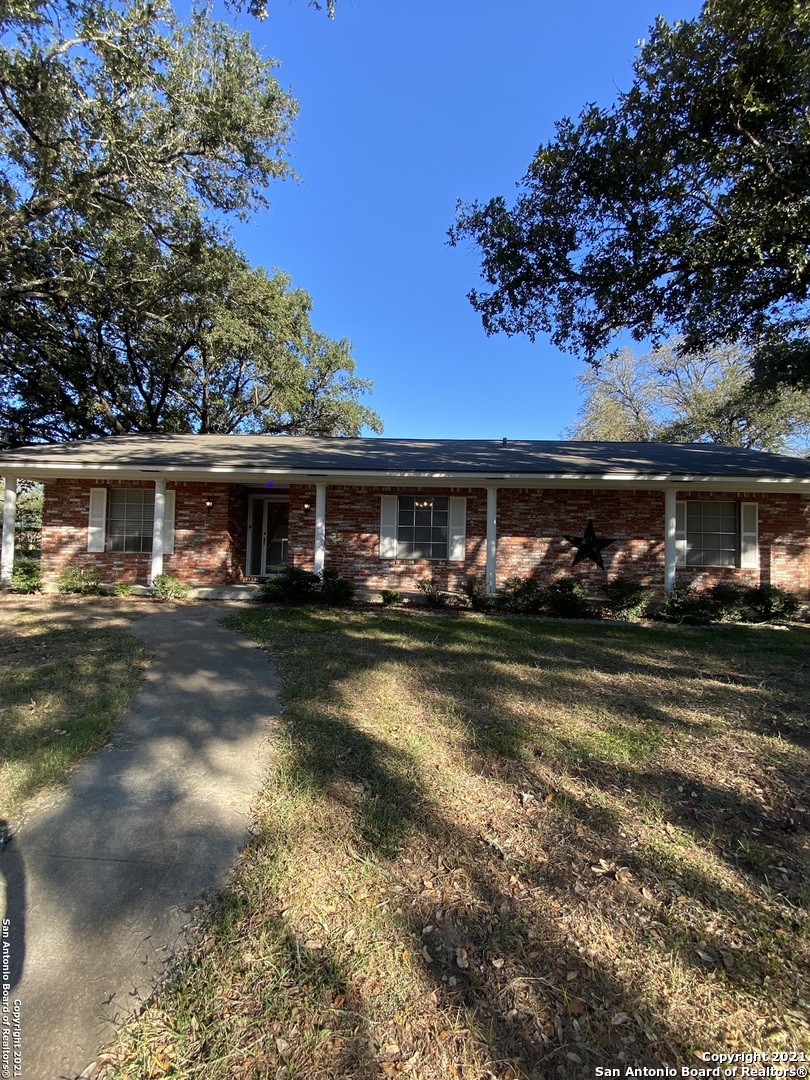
<point x="406" y="107"/>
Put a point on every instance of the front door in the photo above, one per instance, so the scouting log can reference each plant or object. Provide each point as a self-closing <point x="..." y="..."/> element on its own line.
<point x="267" y="535"/>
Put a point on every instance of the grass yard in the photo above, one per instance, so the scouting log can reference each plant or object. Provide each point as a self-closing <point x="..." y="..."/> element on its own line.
<point x="68" y="670"/>
<point x="507" y="848"/>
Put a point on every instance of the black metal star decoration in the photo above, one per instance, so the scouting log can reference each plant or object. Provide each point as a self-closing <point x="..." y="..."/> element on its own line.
<point x="589" y="546"/>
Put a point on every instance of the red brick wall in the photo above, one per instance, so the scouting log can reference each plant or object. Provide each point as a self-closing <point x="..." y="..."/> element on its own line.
<point x="237" y="529"/>
<point x="205" y="549"/>
<point x="353" y="538"/>
<point x="784" y="544"/>
<point x="210" y="547"/>
<point x="532" y="525"/>
<point x="301" y="548"/>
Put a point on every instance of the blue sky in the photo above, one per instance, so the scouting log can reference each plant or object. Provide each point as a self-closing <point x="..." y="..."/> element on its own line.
<point x="406" y="107"/>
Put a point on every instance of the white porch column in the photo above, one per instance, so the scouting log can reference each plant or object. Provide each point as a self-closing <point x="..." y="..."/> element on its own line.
<point x="669" y="539"/>
<point x="157" y="533"/>
<point x="320" y="527"/>
<point x="492" y="538"/>
<point x="9" y="521"/>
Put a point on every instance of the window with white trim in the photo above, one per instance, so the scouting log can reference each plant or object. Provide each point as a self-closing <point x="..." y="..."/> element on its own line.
<point x="122" y="520"/>
<point x="130" y="519"/>
<point x="422" y="526"/>
<point x="716" y="532"/>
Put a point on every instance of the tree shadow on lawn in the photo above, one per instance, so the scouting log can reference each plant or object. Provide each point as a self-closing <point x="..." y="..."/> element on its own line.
<point x="552" y="954"/>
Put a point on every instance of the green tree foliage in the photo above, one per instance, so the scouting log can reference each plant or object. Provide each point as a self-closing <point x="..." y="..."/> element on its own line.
<point x="259" y="8"/>
<point x="673" y="396"/>
<point x="209" y="344"/>
<point x="118" y="118"/>
<point x="126" y="138"/>
<point x="682" y="209"/>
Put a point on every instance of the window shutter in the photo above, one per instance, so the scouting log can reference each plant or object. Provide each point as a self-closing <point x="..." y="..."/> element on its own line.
<point x="458" y="526"/>
<point x="680" y="534"/>
<point x="388" y="527"/>
<point x="749" y="535"/>
<point x="168" y="522"/>
<point x="97" y="521"/>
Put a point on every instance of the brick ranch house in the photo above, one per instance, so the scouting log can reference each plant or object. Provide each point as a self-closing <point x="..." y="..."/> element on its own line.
<point x="213" y="510"/>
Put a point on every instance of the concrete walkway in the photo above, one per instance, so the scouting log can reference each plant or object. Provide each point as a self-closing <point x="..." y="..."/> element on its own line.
<point x="100" y="887"/>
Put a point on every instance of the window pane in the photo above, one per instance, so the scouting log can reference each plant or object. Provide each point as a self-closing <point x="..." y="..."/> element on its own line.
<point x="422" y="529"/>
<point x="130" y="519"/>
<point x="728" y="516"/>
<point x="711" y="533"/>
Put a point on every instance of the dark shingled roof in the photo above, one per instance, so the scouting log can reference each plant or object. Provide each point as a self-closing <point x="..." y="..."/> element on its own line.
<point x="427" y="456"/>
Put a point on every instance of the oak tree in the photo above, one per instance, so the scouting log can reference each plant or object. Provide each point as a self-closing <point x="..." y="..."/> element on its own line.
<point x="671" y="395"/>
<point x="127" y="138"/>
<point x="683" y="209"/>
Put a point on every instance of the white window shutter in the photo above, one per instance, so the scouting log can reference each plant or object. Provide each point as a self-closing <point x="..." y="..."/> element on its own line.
<point x="458" y="529"/>
<point x="97" y="521"/>
<point x="680" y="534"/>
<point x="389" y="510"/>
<point x="749" y="535"/>
<point x="168" y="521"/>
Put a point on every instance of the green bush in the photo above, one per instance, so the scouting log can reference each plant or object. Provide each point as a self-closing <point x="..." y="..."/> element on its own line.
<point x="522" y="596"/>
<point x="567" y="599"/>
<point x="769" y="603"/>
<point x="691" y="606"/>
<point x="475" y="589"/>
<point x="729" y="600"/>
<point x="434" y="597"/>
<point x="26" y="577"/>
<point x="626" y="599"/>
<point x="389" y="597"/>
<point x="335" y="590"/>
<point x="293" y="585"/>
<point x="123" y="588"/>
<point x="166" y="587"/>
<point x="80" y="580"/>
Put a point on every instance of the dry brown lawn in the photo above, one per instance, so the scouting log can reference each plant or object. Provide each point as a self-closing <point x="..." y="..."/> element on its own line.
<point x="68" y="670"/>
<point x="508" y="848"/>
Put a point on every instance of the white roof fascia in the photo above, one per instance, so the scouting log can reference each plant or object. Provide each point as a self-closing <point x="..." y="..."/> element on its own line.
<point x="252" y="475"/>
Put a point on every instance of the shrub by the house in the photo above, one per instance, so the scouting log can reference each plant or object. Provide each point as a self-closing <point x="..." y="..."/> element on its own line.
<point x="626" y="599"/>
<point x="26" y="576"/>
<point x="80" y="580"/>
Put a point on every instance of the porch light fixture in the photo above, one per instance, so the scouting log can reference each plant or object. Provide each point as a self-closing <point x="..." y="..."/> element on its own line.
<point x="209" y="505"/>
<point x="307" y="507"/>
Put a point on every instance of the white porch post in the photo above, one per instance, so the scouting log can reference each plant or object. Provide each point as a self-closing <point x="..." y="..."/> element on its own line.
<point x="9" y="521"/>
<point x="320" y="527"/>
<point x="157" y="533"/>
<point x="492" y="538"/>
<point x="669" y="539"/>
